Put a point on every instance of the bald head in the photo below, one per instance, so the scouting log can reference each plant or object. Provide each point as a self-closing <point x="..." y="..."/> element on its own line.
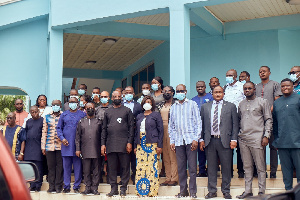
<point x="181" y="87"/>
<point x="104" y="94"/>
<point x="11" y="119"/>
<point x="232" y="71"/>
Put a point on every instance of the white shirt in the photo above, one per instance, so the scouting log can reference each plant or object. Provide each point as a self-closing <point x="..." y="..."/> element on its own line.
<point x="234" y="93"/>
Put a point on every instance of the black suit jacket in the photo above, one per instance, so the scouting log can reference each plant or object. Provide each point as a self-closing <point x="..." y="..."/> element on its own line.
<point x="228" y="125"/>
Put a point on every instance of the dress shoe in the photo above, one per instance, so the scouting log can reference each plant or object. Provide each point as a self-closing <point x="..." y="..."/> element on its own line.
<point x="255" y="175"/>
<point x="172" y="183"/>
<point x="31" y="189"/>
<point x="162" y="174"/>
<point x="123" y="193"/>
<point x="266" y="175"/>
<point x="86" y="191"/>
<point x="272" y="175"/>
<point x="66" y="190"/>
<point x="202" y="175"/>
<point x="244" y="195"/>
<point x="76" y="191"/>
<point x="211" y="195"/>
<point x="112" y="193"/>
<point x="120" y="183"/>
<point x="241" y="175"/>
<point x="182" y="195"/>
<point x="95" y="192"/>
<point x="165" y="183"/>
<point x="37" y="189"/>
<point x="227" y="195"/>
<point x="261" y="193"/>
<point x="58" y="190"/>
<point x="194" y="196"/>
<point x="51" y="190"/>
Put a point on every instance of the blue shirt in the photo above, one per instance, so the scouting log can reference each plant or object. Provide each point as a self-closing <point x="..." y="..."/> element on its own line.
<point x="185" y="123"/>
<point x="202" y="100"/>
<point x="9" y="136"/>
<point x="297" y="88"/>
<point x="129" y="105"/>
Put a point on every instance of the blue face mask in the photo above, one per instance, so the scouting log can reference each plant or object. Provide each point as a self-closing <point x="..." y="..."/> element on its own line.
<point x="293" y="77"/>
<point x="56" y="108"/>
<point x="180" y="96"/>
<point x="104" y="100"/>
<point x="81" y="104"/>
<point x="229" y="79"/>
<point x="81" y="92"/>
<point x="154" y="87"/>
<point x="95" y="95"/>
<point x="128" y="97"/>
<point x="73" y="106"/>
<point x="243" y="81"/>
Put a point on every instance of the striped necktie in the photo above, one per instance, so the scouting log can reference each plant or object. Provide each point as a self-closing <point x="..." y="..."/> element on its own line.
<point x="215" y="119"/>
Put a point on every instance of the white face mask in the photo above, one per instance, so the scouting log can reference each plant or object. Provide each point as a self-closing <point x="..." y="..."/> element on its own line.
<point x="146" y="92"/>
<point x="147" y="106"/>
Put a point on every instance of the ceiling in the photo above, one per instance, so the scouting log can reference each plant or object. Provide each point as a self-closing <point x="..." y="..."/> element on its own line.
<point x="79" y="48"/>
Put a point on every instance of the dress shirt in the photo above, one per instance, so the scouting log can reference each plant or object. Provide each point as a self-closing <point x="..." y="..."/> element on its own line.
<point x="234" y="93"/>
<point x="129" y="105"/>
<point x="185" y="124"/>
<point x="220" y="104"/>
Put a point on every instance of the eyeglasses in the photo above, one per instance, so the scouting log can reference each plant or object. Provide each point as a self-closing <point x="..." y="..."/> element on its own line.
<point x="292" y="73"/>
<point x="180" y="91"/>
<point x="9" y="118"/>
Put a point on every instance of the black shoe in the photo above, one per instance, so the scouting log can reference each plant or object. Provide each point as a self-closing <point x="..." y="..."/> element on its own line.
<point x="172" y="183"/>
<point x="95" y="192"/>
<point x="112" y="193"/>
<point x="38" y="189"/>
<point x="76" y="191"/>
<point x="123" y="193"/>
<point x="182" y="195"/>
<point x="202" y="175"/>
<point x="86" y="191"/>
<point x="244" y="195"/>
<point x="101" y="180"/>
<point x="51" y="190"/>
<point x="261" y="193"/>
<point x="165" y="183"/>
<point x="31" y="188"/>
<point x="194" y="196"/>
<point x="58" y="190"/>
<point x="66" y="190"/>
<point x="255" y="175"/>
<point x="241" y="175"/>
<point x="227" y="195"/>
<point x="211" y="195"/>
<point x="162" y="175"/>
<point x="120" y="183"/>
<point x="266" y="175"/>
<point x="272" y="175"/>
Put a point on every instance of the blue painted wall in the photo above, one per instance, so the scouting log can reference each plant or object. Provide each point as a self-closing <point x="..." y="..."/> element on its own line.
<point x="23" y="53"/>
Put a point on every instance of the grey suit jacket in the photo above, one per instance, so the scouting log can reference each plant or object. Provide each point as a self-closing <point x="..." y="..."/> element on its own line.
<point x="229" y="123"/>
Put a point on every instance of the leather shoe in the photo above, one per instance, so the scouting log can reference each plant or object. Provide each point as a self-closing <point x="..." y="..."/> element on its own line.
<point x="66" y="190"/>
<point x="211" y="195"/>
<point x="182" y="195"/>
<point x="194" y="196"/>
<point x="76" y="191"/>
<point x="172" y="183"/>
<point x="272" y="175"/>
<point x="202" y="174"/>
<point x="51" y="190"/>
<point x="244" y="195"/>
<point x="165" y="183"/>
<point x="86" y="191"/>
<point x="227" y="195"/>
<point x="241" y="175"/>
<point x="260" y="193"/>
<point x="95" y="192"/>
<point x="123" y="193"/>
<point x="112" y="193"/>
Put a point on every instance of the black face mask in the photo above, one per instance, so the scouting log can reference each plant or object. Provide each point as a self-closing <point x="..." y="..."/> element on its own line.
<point x="117" y="101"/>
<point x="90" y="112"/>
<point x="167" y="96"/>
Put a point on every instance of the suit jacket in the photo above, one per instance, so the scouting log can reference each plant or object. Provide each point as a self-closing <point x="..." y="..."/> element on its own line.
<point x="228" y="125"/>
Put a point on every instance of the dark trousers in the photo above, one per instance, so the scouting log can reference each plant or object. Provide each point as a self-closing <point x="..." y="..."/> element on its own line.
<point x="39" y="182"/>
<point x="133" y="165"/>
<point x="68" y="161"/>
<point x="289" y="159"/>
<point x="185" y="155"/>
<point x="55" y="169"/>
<point x="273" y="156"/>
<point x="239" y="161"/>
<point x="201" y="160"/>
<point x="112" y="162"/>
<point x="213" y="149"/>
<point x="91" y="167"/>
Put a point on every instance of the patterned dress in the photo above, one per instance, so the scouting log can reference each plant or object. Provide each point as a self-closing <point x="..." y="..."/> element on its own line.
<point x="147" y="174"/>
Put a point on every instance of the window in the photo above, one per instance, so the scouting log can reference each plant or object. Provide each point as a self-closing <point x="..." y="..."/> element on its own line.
<point x="145" y="75"/>
<point x="124" y="83"/>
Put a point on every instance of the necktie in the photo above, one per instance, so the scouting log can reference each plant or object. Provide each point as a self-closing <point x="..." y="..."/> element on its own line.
<point x="215" y="120"/>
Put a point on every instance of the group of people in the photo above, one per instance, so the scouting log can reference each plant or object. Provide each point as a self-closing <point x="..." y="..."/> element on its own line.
<point x="132" y="136"/>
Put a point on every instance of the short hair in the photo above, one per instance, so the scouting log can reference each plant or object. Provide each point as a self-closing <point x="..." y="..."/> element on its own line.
<point x="287" y="79"/>
<point x="152" y="101"/>
<point x="159" y="79"/>
<point x="84" y="85"/>
<point x="87" y="98"/>
<point x="247" y="73"/>
<point x="217" y="87"/>
<point x="214" y="77"/>
<point x="251" y="83"/>
<point x="266" y="67"/>
<point x="201" y="82"/>
<point x="171" y="88"/>
<point x="37" y="100"/>
<point x="96" y="88"/>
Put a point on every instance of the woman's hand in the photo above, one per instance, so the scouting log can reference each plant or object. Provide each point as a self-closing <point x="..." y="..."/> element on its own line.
<point x="158" y="151"/>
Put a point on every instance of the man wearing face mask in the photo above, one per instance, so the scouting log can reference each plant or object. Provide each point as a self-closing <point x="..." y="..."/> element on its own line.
<point x="73" y="93"/>
<point x="201" y="99"/>
<point x="82" y="89"/>
<point x="145" y="91"/>
<point x="234" y="93"/>
<point x="185" y="131"/>
<point x="244" y="77"/>
<point x="136" y="109"/>
<point x="96" y="96"/>
<point x="295" y="77"/>
<point x="88" y="141"/>
<point x="66" y="131"/>
<point x="116" y="141"/>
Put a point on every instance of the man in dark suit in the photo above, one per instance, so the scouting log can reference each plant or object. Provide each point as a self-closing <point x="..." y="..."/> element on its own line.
<point x="136" y="109"/>
<point x="220" y="127"/>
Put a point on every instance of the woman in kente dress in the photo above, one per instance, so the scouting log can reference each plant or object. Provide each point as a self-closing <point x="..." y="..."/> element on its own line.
<point x="148" y="144"/>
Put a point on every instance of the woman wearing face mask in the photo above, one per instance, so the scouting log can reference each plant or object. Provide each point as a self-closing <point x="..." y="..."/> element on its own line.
<point x="84" y="99"/>
<point x="169" y="158"/>
<point x="148" y="144"/>
<point x="157" y="87"/>
<point x="146" y="87"/>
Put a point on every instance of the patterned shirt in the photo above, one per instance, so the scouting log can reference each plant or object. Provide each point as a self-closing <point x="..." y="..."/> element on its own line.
<point x="185" y="124"/>
<point x="234" y="93"/>
<point x="297" y="88"/>
<point x="50" y="140"/>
